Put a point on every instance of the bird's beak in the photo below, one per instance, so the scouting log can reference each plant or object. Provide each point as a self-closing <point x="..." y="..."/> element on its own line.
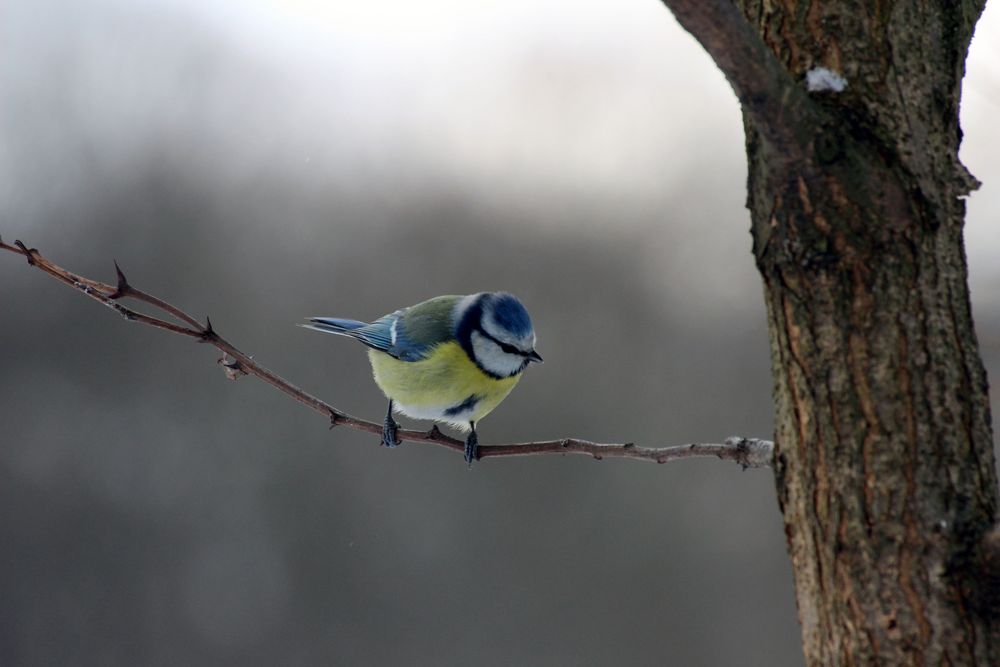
<point x="534" y="356"/>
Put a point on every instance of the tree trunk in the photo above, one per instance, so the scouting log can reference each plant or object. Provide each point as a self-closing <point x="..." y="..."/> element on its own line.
<point x="884" y="464"/>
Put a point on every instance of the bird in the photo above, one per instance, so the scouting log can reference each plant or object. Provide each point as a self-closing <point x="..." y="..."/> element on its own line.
<point x="449" y="359"/>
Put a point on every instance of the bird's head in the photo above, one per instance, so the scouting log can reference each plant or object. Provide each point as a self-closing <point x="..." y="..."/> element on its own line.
<point x="497" y="333"/>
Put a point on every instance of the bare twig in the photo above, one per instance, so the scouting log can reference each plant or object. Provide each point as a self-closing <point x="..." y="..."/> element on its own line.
<point x="747" y="452"/>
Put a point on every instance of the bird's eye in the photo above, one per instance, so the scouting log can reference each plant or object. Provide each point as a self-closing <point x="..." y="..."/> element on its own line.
<point x="509" y="349"/>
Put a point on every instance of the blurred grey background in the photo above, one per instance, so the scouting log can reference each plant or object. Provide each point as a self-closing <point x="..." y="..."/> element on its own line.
<point x="264" y="161"/>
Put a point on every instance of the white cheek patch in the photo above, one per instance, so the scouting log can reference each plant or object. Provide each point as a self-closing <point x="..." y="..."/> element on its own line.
<point x="493" y="359"/>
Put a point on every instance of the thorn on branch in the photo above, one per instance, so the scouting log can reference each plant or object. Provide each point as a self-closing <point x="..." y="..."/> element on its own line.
<point x="333" y="419"/>
<point x="28" y="252"/>
<point x="233" y="370"/>
<point x="209" y="333"/>
<point x="122" y="287"/>
<point x="434" y="433"/>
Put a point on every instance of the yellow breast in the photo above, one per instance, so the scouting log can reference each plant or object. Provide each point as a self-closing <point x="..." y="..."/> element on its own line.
<point x="446" y="386"/>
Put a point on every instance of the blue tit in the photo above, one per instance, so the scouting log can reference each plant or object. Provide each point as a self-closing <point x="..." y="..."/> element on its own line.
<point x="449" y="359"/>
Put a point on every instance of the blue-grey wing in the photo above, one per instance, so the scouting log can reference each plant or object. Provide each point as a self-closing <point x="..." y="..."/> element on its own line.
<point x="413" y="332"/>
<point x="408" y="334"/>
<point x="386" y="334"/>
<point x="377" y="335"/>
<point x="381" y="334"/>
<point x="424" y="326"/>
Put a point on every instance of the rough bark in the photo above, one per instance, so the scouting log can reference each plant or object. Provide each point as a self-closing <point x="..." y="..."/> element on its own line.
<point x="884" y="466"/>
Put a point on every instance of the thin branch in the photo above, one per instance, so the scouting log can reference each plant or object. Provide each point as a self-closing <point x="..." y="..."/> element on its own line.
<point x="123" y="289"/>
<point x="768" y="93"/>
<point x="747" y="452"/>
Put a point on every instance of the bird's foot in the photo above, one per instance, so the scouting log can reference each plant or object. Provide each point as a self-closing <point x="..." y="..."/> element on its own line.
<point x="472" y="448"/>
<point x="389" y="437"/>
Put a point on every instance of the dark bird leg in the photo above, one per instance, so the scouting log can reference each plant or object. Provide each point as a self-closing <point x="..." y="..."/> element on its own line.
<point x="389" y="427"/>
<point x="472" y="445"/>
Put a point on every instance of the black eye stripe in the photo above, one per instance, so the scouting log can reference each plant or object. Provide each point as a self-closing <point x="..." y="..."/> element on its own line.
<point x="509" y="349"/>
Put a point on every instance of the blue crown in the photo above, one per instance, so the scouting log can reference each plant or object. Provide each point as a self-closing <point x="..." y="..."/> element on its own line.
<point x="511" y="315"/>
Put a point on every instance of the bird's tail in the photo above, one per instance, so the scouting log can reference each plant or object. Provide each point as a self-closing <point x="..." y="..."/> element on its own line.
<point x="334" y="325"/>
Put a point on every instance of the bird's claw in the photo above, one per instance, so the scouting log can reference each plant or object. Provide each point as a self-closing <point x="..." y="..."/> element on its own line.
<point x="389" y="437"/>
<point x="472" y="448"/>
